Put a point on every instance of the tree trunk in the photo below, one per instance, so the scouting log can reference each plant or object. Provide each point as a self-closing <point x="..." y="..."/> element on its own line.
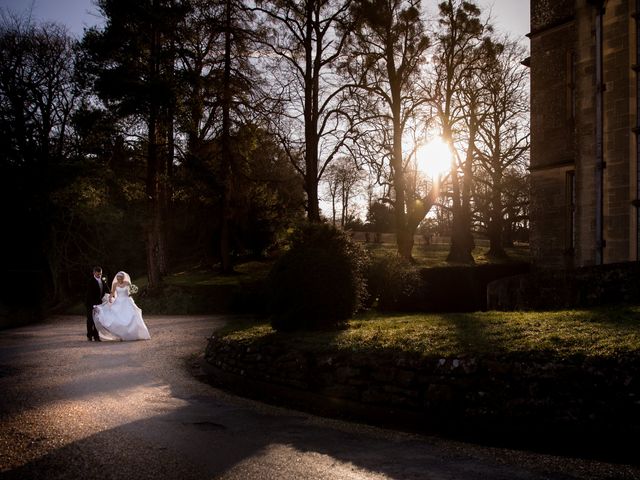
<point x="462" y="242"/>
<point x="311" y="92"/>
<point x="153" y="191"/>
<point x="311" y="187"/>
<point x="345" y="205"/>
<point x="333" y="206"/>
<point x="226" y="161"/>
<point x="404" y="238"/>
<point x="496" y="224"/>
<point x="167" y="167"/>
<point x="405" y="242"/>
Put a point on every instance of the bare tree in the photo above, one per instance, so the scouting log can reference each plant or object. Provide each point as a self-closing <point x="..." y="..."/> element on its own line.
<point x="38" y="97"/>
<point x="37" y="90"/>
<point x="503" y="138"/>
<point x="461" y="52"/>
<point x="342" y="179"/>
<point x="306" y="39"/>
<point x="386" y="55"/>
<point x="218" y="78"/>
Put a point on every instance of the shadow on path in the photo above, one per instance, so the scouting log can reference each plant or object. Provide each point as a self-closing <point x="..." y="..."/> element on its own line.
<point x="132" y="411"/>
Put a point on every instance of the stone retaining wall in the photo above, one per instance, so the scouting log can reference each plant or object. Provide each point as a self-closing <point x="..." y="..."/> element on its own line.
<point x="501" y="395"/>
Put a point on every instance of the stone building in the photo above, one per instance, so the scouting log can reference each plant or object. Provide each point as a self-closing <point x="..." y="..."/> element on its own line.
<point x="585" y="129"/>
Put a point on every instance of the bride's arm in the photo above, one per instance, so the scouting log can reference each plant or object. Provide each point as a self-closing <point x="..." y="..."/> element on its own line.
<point x="113" y="292"/>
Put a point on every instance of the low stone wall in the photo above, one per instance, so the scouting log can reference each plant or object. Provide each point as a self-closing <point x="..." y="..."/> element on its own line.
<point x="508" y="396"/>
<point x="553" y="289"/>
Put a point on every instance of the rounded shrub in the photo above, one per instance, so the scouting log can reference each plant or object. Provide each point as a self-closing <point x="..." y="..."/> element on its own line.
<point x="393" y="283"/>
<point x="319" y="282"/>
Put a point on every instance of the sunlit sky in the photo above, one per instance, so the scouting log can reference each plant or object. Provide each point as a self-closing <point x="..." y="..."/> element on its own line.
<point x="510" y="16"/>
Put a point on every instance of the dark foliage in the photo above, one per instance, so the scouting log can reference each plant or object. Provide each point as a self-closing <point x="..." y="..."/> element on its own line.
<point x="380" y="217"/>
<point x="319" y="282"/>
<point x="462" y="288"/>
<point x="392" y="283"/>
<point x="396" y="285"/>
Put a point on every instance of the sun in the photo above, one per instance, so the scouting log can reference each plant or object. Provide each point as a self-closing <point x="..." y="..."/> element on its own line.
<point x="434" y="158"/>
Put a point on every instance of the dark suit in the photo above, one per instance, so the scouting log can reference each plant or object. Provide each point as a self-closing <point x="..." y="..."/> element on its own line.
<point x="95" y="292"/>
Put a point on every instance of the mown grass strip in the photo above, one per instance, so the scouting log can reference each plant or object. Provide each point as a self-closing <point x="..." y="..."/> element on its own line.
<point x="599" y="332"/>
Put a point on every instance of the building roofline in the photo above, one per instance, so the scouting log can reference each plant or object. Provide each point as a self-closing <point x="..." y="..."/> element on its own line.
<point x="550" y="27"/>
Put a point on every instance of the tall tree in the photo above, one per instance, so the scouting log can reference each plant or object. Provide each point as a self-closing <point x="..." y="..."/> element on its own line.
<point x="503" y="138"/>
<point x="307" y="38"/>
<point x="217" y="101"/>
<point x="386" y="54"/>
<point x="133" y="60"/>
<point x="38" y="97"/>
<point x="460" y="46"/>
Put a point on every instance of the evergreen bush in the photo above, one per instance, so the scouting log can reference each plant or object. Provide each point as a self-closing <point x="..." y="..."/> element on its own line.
<point x="393" y="283"/>
<point x="319" y="282"/>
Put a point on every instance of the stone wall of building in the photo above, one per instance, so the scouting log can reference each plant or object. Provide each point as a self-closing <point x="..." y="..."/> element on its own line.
<point x="619" y="115"/>
<point x="548" y="210"/>
<point x="585" y="135"/>
<point x="553" y="145"/>
<point x="563" y="131"/>
<point x="552" y="126"/>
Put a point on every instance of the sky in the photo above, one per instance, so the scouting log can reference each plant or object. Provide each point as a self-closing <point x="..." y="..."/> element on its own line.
<point x="510" y="16"/>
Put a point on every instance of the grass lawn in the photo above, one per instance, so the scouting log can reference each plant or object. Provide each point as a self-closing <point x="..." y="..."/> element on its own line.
<point x="600" y="332"/>
<point x="436" y="255"/>
<point x="197" y="291"/>
<point x="245" y="272"/>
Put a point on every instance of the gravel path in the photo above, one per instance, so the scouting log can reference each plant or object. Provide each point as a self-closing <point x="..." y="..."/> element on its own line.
<point x="132" y="410"/>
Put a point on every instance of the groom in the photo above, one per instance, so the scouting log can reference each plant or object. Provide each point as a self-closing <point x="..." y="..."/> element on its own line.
<point x="96" y="288"/>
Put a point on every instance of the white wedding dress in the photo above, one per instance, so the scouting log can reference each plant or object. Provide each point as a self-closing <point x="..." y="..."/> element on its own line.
<point x="120" y="320"/>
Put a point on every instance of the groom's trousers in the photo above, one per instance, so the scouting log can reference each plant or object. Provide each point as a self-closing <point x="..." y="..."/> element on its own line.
<point x="92" y="331"/>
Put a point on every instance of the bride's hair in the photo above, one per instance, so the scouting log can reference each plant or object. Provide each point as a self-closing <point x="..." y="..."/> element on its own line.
<point x="121" y="273"/>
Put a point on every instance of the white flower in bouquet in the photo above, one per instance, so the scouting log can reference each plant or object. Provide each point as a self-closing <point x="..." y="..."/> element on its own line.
<point x="133" y="289"/>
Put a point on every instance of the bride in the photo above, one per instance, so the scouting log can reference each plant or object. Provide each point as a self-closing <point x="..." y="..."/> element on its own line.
<point x="118" y="317"/>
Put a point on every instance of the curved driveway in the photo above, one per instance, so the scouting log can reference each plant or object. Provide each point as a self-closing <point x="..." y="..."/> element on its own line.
<point x="74" y="409"/>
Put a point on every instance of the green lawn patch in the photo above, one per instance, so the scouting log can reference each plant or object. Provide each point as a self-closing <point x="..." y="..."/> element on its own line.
<point x="200" y="291"/>
<point x="436" y="255"/>
<point x="244" y="273"/>
<point x="598" y="332"/>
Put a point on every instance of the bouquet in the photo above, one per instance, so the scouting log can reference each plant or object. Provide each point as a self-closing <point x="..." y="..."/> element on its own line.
<point x="133" y="289"/>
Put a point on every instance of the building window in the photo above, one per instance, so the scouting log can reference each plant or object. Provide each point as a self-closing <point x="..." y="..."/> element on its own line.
<point x="570" y="192"/>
